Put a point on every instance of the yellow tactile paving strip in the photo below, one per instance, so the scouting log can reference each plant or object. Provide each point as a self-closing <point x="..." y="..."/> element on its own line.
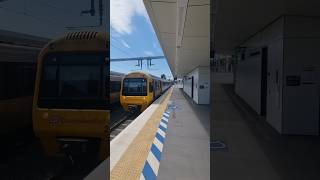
<point x="130" y="166"/>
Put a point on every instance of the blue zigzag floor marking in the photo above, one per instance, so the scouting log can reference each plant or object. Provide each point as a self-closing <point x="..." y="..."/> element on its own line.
<point x="151" y="166"/>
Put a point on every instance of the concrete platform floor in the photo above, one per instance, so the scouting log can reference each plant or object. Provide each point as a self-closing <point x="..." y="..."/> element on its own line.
<point x="127" y="158"/>
<point x="254" y="149"/>
<point x="186" y="153"/>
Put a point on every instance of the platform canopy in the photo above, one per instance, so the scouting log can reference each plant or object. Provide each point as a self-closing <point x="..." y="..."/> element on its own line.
<point x="183" y="30"/>
<point x="18" y="47"/>
<point x="234" y="21"/>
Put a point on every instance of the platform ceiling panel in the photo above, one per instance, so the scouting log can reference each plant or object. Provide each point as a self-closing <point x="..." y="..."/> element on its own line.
<point x="164" y="26"/>
<point x="183" y="29"/>
<point x="235" y="21"/>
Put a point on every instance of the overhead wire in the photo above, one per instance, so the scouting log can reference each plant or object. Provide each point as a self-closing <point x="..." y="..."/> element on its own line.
<point x="29" y="15"/>
<point x="46" y="3"/>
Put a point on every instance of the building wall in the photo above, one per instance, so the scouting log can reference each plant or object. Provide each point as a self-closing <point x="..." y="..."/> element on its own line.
<point x="204" y="85"/>
<point x="201" y="85"/>
<point x="248" y="71"/>
<point x="187" y="85"/>
<point x="248" y="81"/>
<point x="293" y="80"/>
<point x="275" y="84"/>
<point x="301" y="59"/>
<point x="223" y="78"/>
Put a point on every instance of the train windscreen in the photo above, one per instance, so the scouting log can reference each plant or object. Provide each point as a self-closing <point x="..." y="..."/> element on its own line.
<point x="73" y="81"/>
<point x="134" y="87"/>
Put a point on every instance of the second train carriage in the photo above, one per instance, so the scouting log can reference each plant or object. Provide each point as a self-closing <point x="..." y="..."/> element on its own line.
<point x="115" y="86"/>
<point x="139" y="90"/>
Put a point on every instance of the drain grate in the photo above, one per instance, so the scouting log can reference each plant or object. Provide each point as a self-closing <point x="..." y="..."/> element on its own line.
<point x="218" y="145"/>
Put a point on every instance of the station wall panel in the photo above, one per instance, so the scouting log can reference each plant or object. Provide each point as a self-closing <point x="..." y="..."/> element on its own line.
<point x="248" y="71"/>
<point x="301" y="59"/>
<point x="201" y="85"/>
<point x="293" y="69"/>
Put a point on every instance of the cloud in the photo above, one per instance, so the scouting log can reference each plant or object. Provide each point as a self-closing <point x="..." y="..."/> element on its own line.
<point x="125" y="44"/>
<point x="148" y="53"/>
<point x="122" y="12"/>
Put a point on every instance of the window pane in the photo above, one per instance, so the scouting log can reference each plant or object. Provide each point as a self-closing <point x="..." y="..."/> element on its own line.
<point x="79" y="81"/>
<point x="135" y="87"/>
<point x="49" y="85"/>
<point x="73" y="81"/>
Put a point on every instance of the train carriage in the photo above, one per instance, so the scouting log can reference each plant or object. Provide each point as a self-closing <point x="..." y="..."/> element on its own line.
<point x="71" y="100"/>
<point x="115" y="86"/>
<point x="139" y="90"/>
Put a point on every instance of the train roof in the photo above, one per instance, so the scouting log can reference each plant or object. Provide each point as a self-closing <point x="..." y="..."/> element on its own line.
<point x="148" y="74"/>
<point x="114" y="73"/>
<point x="79" y="41"/>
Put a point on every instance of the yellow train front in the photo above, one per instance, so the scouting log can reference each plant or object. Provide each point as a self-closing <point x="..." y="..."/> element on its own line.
<point x="139" y="90"/>
<point x="71" y="106"/>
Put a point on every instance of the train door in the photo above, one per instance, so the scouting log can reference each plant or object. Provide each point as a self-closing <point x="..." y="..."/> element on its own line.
<point x="264" y="78"/>
<point x="153" y="90"/>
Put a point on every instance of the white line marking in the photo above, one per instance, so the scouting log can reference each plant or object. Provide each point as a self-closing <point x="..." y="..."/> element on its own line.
<point x="163" y="134"/>
<point x="158" y="144"/>
<point x="142" y="177"/>
<point x="154" y="163"/>
<point x="163" y="124"/>
<point x="165" y="119"/>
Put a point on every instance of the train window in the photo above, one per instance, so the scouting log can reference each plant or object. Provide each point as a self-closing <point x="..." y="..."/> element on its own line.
<point x="134" y="87"/>
<point x="49" y="86"/>
<point x="72" y="81"/>
<point x="80" y="81"/>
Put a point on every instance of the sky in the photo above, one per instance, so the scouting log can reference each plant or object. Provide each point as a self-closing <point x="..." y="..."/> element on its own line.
<point x="132" y="35"/>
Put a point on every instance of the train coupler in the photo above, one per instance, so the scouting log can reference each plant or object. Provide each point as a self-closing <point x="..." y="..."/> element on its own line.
<point x="133" y="109"/>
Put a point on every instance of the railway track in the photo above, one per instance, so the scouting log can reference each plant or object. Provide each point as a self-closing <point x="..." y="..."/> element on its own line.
<point x="26" y="160"/>
<point x="122" y="123"/>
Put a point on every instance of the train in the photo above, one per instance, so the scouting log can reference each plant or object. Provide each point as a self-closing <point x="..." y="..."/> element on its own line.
<point x="115" y="86"/>
<point x="17" y="73"/>
<point x="140" y="89"/>
<point x="71" y="108"/>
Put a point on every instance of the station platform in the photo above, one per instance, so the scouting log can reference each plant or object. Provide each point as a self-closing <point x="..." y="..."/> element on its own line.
<point x="168" y="144"/>
<point x="253" y="149"/>
<point x="186" y="153"/>
<point x="169" y="140"/>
